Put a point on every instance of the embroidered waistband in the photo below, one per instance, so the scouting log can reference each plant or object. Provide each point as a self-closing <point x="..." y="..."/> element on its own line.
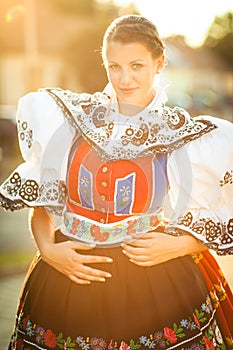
<point x="90" y="231"/>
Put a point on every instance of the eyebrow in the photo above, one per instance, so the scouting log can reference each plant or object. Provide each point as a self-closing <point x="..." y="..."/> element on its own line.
<point x="132" y="62"/>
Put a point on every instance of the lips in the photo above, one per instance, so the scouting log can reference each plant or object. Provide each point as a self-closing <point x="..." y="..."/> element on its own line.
<point x="128" y="91"/>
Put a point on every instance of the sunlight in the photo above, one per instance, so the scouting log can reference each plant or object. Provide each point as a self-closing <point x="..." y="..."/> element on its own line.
<point x="14" y="12"/>
<point x="188" y="18"/>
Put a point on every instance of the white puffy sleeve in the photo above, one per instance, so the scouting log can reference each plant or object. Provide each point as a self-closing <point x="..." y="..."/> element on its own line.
<point x="45" y="137"/>
<point x="201" y="188"/>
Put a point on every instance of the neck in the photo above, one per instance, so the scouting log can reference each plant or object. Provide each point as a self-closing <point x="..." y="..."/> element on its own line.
<point x="132" y="109"/>
<point x="129" y="109"/>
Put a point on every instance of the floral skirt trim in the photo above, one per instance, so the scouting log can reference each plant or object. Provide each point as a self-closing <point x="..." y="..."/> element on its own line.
<point x="198" y="332"/>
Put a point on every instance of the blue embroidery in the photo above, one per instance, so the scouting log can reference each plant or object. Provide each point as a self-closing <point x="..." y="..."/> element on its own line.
<point x="85" y="184"/>
<point x="124" y="194"/>
<point x="160" y="182"/>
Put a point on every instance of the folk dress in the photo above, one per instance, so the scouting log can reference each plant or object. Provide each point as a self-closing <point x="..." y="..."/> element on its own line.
<point x="107" y="176"/>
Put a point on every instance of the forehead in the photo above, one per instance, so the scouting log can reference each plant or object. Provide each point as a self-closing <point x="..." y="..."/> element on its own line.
<point x="122" y="52"/>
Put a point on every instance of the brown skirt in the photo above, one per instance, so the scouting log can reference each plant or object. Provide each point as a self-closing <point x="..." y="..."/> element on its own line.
<point x="166" y="306"/>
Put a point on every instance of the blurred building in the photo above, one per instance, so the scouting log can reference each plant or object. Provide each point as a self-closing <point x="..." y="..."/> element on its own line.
<point x="197" y="79"/>
<point x="32" y="42"/>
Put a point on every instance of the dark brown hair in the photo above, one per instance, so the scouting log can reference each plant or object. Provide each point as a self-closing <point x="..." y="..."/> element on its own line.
<point x="134" y="28"/>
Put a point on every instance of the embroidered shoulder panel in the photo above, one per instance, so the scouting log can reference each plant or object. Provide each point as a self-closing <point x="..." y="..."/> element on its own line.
<point x="114" y="136"/>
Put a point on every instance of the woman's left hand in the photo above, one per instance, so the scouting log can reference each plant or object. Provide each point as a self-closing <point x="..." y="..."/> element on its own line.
<point x="157" y="247"/>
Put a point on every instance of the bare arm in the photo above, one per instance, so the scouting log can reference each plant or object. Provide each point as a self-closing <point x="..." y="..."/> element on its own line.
<point x="65" y="256"/>
<point x="157" y="247"/>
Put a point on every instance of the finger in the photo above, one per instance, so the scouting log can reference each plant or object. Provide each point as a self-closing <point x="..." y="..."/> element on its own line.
<point x="143" y="263"/>
<point x="134" y="250"/>
<point x="134" y="237"/>
<point x="148" y="235"/>
<point x="136" y="257"/>
<point x="88" y="259"/>
<point x="92" y="272"/>
<point x="91" y="278"/>
<point x="79" y="280"/>
<point x="141" y="243"/>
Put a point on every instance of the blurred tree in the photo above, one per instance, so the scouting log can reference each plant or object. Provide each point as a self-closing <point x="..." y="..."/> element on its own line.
<point x="83" y="52"/>
<point x="220" y="37"/>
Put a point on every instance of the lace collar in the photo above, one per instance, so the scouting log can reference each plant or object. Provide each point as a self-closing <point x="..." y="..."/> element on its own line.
<point x="156" y="129"/>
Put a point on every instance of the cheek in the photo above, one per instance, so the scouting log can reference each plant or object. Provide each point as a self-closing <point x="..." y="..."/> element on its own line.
<point x="147" y="79"/>
<point x="151" y="77"/>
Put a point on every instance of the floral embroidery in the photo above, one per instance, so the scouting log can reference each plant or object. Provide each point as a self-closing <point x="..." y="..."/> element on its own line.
<point x="39" y="334"/>
<point x="124" y="194"/>
<point x="176" y="119"/>
<point x="124" y="346"/>
<point x="137" y="136"/>
<point x="15" y="183"/>
<point x="159" y="131"/>
<point x="48" y="191"/>
<point x="98" y="235"/>
<point x="85" y="188"/>
<point x="25" y="189"/>
<point x="227" y="179"/>
<point x="200" y="329"/>
<point x="84" y="229"/>
<point x="170" y="335"/>
<point x="217" y="235"/>
<point x="186" y="220"/>
<point x="50" y="339"/>
<point x="99" y="116"/>
<point x="28" y="190"/>
<point x="52" y="191"/>
<point x="98" y="344"/>
<point x="25" y="134"/>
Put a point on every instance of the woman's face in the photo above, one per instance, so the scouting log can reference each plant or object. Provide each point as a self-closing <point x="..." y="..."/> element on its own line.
<point x="131" y="70"/>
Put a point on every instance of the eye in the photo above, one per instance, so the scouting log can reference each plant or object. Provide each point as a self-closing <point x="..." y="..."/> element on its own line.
<point x="113" y="67"/>
<point x="137" y="66"/>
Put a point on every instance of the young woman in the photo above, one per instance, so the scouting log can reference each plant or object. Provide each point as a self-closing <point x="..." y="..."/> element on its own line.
<point x="115" y="274"/>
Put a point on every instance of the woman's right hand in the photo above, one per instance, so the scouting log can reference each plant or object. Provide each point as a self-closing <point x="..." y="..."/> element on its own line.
<point x="66" y="258"/>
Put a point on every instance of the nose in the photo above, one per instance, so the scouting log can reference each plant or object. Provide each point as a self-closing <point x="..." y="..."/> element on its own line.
<point x="125" y="77"/>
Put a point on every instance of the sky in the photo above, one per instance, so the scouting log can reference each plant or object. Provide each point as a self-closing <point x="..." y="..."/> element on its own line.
<point x="186" y="17"/>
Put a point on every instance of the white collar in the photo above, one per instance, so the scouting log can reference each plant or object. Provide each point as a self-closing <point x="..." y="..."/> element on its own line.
<point x="159" y="100"/>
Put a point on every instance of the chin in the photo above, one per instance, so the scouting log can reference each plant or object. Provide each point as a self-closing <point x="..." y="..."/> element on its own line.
<point x="129" y="99"/>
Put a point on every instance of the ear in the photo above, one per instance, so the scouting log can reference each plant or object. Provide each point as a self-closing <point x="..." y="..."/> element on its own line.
<point x="159" y="64"/>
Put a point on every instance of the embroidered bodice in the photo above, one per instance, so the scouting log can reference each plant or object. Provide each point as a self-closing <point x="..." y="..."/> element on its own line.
<point x="108" y="174"/>
<point x="107" y="193"/>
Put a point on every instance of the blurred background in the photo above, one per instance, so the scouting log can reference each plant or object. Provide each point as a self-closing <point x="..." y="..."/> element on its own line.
<point x="57" y="43"/>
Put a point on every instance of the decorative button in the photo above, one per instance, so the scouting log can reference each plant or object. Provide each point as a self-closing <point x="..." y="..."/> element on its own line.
<point x="102" y="221"/>
<point x="104" y="183"/>
<point x="104" y="169"/>
<point x="103" y="210"/>
<point x="103" y="197"/>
